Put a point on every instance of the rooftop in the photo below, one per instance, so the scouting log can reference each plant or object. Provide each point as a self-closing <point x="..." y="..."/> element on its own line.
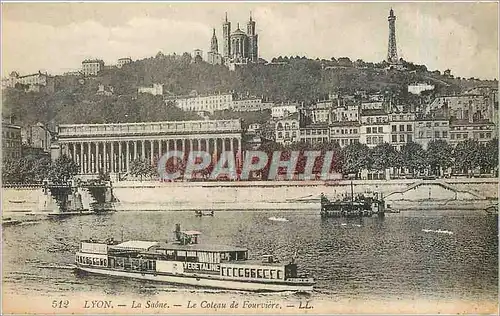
<point x="136" y="245"/>
<point x="201" y="247"/>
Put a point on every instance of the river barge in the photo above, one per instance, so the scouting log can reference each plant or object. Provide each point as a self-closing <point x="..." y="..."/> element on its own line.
<point x="361" y="205"/>
<point x="187" y="262"/>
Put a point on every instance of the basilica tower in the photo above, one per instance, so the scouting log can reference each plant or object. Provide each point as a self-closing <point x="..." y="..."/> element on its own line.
<point x="252" y="41"/>
<point x="214" y="46"/>
<point x="226" y="36"/>
<point x="392" y="52"/>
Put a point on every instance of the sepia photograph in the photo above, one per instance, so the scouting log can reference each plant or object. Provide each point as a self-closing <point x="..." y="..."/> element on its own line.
<point x="249" y="158"/>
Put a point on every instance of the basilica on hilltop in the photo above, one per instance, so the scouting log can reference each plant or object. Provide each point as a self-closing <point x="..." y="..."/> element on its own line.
<point x="238" y="47"/>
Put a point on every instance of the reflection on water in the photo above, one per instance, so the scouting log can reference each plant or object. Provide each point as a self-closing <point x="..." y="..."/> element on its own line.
<point x="402" y="255"/>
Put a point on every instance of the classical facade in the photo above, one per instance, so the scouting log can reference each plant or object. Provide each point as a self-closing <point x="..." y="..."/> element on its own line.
<point x="112" y="147"/>
<point x="238" y="46"/>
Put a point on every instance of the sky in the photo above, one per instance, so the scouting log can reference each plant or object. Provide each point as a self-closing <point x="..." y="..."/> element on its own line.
<point x="56" y="37"/>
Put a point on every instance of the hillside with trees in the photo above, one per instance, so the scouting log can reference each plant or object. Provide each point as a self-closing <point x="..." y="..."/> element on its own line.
<point x="300" y="79"/>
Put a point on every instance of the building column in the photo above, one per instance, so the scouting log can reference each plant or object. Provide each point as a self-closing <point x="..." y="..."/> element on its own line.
<point x="104" y="157"/>
<point x="89" y="159"/>
<point x="175" y="144"/>
<point x="190" y="145"/>
<point x="81" y="158"/>
<point x="74" y="152"/>
<point x="120" y="160"/>
<point x="231" y="146"/>
<point x="215" y="151"/>
<point x="223" y="145"/>
<point x="240" y="153"/>
<point x="143" y="149"/>
<point x="97" y="160"/>
<point x="127" y="159"/>
<point x="151" y="153"/>
<point x="207" y="145"/>
<point x="135" y="150"/>
<point x="159" y="149"/>
<point x="112" y="160"/>
<point x="199" y="144"/>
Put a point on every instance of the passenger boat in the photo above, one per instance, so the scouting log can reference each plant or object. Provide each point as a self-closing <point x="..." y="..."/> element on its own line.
<point x="363" y="205"/>
<point x="202" y="213"/>
<point x="185" y="261"/>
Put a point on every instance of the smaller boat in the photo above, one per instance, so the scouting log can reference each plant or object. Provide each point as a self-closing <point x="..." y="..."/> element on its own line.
<point x="203" y="213"/>
<point x="7" y="221"/>
<point x="278" y="219"/>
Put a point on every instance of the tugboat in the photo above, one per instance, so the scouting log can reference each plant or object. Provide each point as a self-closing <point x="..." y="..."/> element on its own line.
<point x="187" y="262"/>
<point x="360" y="206"/>
<point x="199" y="213"/>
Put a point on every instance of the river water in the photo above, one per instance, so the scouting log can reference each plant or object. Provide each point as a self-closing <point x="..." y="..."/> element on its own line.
<point x="449" y="255"/>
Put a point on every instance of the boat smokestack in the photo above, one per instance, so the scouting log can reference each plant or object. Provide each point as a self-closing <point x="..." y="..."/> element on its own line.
<point x="178" y="232"/>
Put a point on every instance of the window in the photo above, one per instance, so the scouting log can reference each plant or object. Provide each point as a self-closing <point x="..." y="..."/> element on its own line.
<point x="436" y="134"/>
<point x="481" y="135"/>
<point x="253" y="273"/>
<point x="272" y="274"/>
<point x="445" y="134"/>
<point x="421" y="134"/>
<point x="380" y="129"/>
<point x="409" y="138"/>
<point x="260" y="274"/>
<point x="247" y="273"/>
<point x="393" y="128"/>
<point x="368" y="130"/>
<point x="368" y="140"/>
<point x="401" y="128"/>
<point x="394" y="138"/>
<point x="402" y="138"/>
<point x="409" y="128"/>
<point x="280" y="274"/>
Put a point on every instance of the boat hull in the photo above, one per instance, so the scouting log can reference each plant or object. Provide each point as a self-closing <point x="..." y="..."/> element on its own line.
<point x="204" y="281"/>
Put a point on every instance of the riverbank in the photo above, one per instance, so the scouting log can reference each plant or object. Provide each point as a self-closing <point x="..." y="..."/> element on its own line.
<point x="469" y="193"/>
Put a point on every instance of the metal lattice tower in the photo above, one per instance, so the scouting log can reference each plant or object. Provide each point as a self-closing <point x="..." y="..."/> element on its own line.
<point x="392" y="52"/>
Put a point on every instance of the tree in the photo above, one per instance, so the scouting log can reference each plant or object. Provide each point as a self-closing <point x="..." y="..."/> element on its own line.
<point x="63" y="169"/>
<point x="356" y="158"/>
<point x="413" y="157"/>
<point x="439" y="156"/>
<point x="466" y="155"/>
<point x="383" y="156"/>
<point x="489" y="156"/>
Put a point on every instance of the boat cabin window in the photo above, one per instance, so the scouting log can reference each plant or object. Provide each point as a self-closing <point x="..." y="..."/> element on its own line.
<point x="253" y="274"/>
<point x="260" y="274"/>
<point x="266" y="274"/>
<point x="280" y="274"/>
<point x="247" y="273"/>
<point x="240" y="272"/>
<point x="272" y="274"/>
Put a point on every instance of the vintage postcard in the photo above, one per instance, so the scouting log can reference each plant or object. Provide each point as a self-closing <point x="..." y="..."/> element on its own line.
<point x="249" y="158"/>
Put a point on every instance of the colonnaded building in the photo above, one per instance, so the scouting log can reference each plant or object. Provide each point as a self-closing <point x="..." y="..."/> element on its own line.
<point x="112" y="147"/>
